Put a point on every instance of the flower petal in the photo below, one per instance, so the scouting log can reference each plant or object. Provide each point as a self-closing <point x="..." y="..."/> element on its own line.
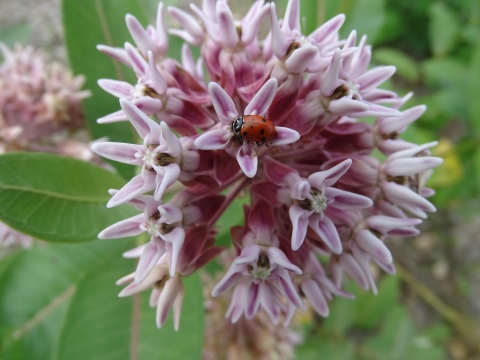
<point x="116" y="88"/>
<point x="284" y="136"/>
<point x="330" y="176"/>
<point x="299" y="59"/>
<point x="223" y="104"/>
<point x="373" y="245"/>
<point x="249" y="254"/>
<point x="262" y="99"/>
<point x="299" y="218"/>
<point x="121" y="152"/>
<point x="136" y="186"/>
<point x="313" y="293"/>
<point x="278" y="257"/>
<point x="252" y="300"/>
<point x="150" y="255"/>
<point x="230" y="279"/>
<point x="213" y="140"/>
<point x="171" y="172"/>
<point x="173" y="143"/>
<point x="167" y="297"/>
<point x="248" y="161"/>
<point x="346" y="200"/>
<point x="346" y="106"/>
<point x="327" y="231"/>
<point x="141" y="122"/>
<point x="124" y="228"/>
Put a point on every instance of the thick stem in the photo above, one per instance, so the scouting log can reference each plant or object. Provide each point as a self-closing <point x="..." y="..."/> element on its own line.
<point x="230" y="197"/>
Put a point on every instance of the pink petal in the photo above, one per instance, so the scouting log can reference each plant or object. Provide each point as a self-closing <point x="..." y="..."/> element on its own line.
<point x="284" y="136"/>
<point x="384" y="224"/>
<point x="142" y="123"/>
<point x="118" y="54"/>
<point x="171" y="172"/>
<point x="299" y="218"/>
<point x="346" y="106"/>
<point x="249" y="254"/>
<point x="248" y="161"/>
<point x="136" y="186"/>
<point x="235" y="310"/>
<point x="279" y="42"/>
<point x="261" y="220"/>
<point x="188" y="22"/>
<point x="375" y="110"/>
<point x="121" y="152"/>
<point x="374" y="77"/>
<point x="327" y="231"/>
<point x="313" y="293"/>
<point x="222" y="103"/>
<point x="285" y="286"/>
<point x="250" y="28"/>
<point x="161" y="37"/>
<point x="299" y="60"/>
<point x="292" y="16"/>
<point x="252" y="300"/>
<point x="277" y="172"/>
<point x="267" y="301"/>
<point x="177" y="307"/>
<point x="278" y="257"/>
<point x="347" y="200"/>
<point x="262" y="99"/>
<point x="159" y="83"/>
<point x="213" y="140"/>
<point x="363" y="260"/>
<point x="174" y="145"/>
<point x="330" y="176"/>
<point x="137" y="62"/>
<point x="351" y="267"/>
<point x="403" y="196"/>
<point x="176" y="237"/>
<point x="151" y="254"/>
<point x="116" y="88"/>
<point x="116" y="116"/>
<point x="124" y="228"/>
<point x="373" y="245"/>
<point x="139" y="35"/>
<point x="228" y="33"/>
<point x="167" y="298"/>
<point x="411" y="166"/>
<point x="330" y="80"/>
<point x="328" y="30"/>
<point x="230" y="279"/>
<point x="407" y="153"/>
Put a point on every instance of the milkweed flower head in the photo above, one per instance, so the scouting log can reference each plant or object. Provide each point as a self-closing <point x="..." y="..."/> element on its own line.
<point x="40" y="110"/>
<point x="277" y="119"/>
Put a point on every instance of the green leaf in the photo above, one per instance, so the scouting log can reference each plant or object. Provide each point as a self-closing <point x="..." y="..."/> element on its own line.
<point x="407" y="67"/>
<point x="473" y="87"/>
<point x="88" y="23"/>
<point x="57" y="198"/>
<point x="443" y="30"/>
<point x="16" y="33"/>
<point x="73" y="311"/>
<point x="370" y="309"/>
<point x="365" y="16"/>
<point x="325" y="348"/>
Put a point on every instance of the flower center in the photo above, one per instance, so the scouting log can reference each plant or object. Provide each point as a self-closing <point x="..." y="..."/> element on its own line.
<point x="262" y="271"/>
<point x="318" y="204"/>
<point x="149" y="157"/>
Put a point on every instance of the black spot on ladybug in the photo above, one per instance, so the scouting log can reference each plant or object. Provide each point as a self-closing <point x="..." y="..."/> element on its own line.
<point x="262" y="131"/>
<point x="264" y="139"/>
<point x="251" y="127"/>
<point x="264" y="120"/>
<point x="244" y="133"/>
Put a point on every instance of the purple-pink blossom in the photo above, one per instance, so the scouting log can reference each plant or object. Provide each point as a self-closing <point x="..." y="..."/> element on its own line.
<point x="314" y="187"/>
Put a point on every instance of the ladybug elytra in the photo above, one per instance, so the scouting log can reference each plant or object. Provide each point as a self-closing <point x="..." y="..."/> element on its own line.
<point x="254" y="128"/>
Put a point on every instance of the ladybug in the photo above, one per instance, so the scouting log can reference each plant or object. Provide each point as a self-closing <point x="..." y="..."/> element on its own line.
<point x="254" y="128"/>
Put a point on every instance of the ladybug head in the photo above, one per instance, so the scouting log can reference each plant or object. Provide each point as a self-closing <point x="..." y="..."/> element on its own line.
<point x="237" y="125"/>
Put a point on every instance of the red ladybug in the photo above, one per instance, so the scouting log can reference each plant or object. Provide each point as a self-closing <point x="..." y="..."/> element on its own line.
<point x="254" y="128"/>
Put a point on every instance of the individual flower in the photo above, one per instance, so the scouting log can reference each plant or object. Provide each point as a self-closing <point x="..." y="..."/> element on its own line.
<point x="159" y="156"/>
<point x="165" y="224"/>
<point x="167" y="288"/>
<point x="310" y="198"/>
<point x="224" y="137"/>
<point x="260" y="273"/>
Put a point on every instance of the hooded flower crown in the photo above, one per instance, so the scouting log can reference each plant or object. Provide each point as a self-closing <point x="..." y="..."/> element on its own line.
<point x="315" y="190"/>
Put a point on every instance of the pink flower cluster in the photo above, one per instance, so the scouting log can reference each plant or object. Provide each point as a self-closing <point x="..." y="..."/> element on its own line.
<point x="315" y="190"/>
